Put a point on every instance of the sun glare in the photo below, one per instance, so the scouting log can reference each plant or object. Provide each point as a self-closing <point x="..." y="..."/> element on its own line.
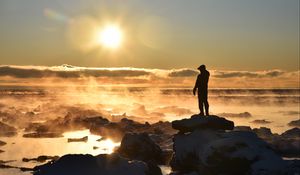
<point x="109" y="145"/>
<point x="110" y="36"/>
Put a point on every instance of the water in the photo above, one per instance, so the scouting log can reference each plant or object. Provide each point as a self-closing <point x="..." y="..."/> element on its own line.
<point x="18" y="147"/>
<point x="20" y="105"/>
<point x="277" y="106"/>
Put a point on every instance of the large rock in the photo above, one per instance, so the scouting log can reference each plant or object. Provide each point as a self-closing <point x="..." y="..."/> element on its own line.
<point x="263" y="132"/>
<point x="217" y="152"/>
<point x="139" y="146"/>
<point x="292" y="133"/>
<point x="201" y="122"/>
<point x="286" y="144"/>
<point x="95" y="165"/>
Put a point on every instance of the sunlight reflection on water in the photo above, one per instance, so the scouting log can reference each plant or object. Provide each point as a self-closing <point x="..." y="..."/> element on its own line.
<point x="19" y="147"/>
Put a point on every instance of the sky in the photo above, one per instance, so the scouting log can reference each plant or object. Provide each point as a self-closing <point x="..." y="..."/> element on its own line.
<point x="227" y="35"/>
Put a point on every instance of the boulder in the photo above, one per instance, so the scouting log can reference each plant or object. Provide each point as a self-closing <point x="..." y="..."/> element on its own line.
<point x="294" y="123"/>
<point x="91" y="122"/>
<point x="201" y="122"/>
<point x="293" y="133"/>
<point x="242" y="128"/>
<point x="217" y="152"/>
<point x="103" y="164"/>
<point x="139" y="146"/>
<point x="263" y="132"/>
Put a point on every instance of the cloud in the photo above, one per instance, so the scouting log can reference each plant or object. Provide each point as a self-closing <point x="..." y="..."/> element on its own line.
<point x="295" y="123"/>
<point x="248" y="74"/>
<point x="182" y="73"/>
<point x="12" y="74"/>
<point x="263" y="121"/>
<point x="236" y="115"/>
<point x="68" y="71"/>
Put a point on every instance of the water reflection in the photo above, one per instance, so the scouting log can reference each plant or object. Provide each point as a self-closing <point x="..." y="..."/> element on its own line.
<point x="19" y="147"/>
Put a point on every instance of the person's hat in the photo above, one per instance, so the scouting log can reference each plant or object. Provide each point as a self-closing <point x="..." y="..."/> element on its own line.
<point x="201" y="67"/>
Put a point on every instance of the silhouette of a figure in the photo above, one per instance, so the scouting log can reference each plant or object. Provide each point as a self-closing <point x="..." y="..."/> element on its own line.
<point x="202" y="86"/>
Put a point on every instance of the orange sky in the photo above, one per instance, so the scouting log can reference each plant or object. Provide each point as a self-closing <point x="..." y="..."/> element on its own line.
<point x="225" y="35"/>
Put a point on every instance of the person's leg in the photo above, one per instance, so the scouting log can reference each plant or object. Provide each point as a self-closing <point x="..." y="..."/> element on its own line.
<point x="200" y="103"/>
<point x="206" y="107"/>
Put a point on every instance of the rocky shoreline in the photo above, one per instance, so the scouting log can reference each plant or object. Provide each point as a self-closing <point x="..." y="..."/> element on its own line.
<point x="203" y="145"/>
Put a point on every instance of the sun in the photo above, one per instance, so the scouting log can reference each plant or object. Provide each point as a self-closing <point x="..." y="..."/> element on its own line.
<point x="110" y="36"/>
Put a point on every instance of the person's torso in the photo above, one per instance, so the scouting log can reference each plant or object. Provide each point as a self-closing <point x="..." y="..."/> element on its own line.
<point x="203" y="78"/>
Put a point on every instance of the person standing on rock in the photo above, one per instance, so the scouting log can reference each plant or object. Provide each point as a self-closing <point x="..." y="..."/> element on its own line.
<point x="202" y="86"/>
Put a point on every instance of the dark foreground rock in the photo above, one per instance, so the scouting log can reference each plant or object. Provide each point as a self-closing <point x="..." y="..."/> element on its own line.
<point x="202" y="122"/>
<point x="213" y="151"/>
<point x="140" y="147"/>
<point x="292" y="133"/>
<point x="113" y="164"/>
<point x="287" y="144"/>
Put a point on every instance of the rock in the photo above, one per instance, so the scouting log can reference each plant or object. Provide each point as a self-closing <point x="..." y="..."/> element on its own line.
<point x="102" y="164"/>
<point x="200" y="122"/>
<point x="242" y="128"/>
<point x="294" y="132"/>
<point x="140" y="147"/>
<point x="4" y="166"/>
<point x="218" y="152"/>
<point x="263" y="132"/>
<point x="43" y="135"/>
<point x="285" y="146"/>
<point x="294" y="123"/>
<point x="293" y="167"/>
<point x="94" y="121"/>
<point x="7" y="130"/>
<point x="111" y="130"/>
<point x="83" y="139"/>
<point x="40" y="158"/>
<point x="2" y="143"/>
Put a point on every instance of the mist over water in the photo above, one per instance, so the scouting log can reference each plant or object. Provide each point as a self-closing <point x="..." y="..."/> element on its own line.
<point x="22" y="105"/>
<point x="150" y="104"/>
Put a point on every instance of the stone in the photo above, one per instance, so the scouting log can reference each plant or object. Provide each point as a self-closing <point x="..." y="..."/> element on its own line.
<point x="201" y="122"/>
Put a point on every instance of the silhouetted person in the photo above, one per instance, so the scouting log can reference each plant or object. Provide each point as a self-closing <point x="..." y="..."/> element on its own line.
<point x="202" y="86"/>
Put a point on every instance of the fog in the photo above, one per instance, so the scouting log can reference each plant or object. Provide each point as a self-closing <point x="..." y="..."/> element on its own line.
<point x="21" y="105"/>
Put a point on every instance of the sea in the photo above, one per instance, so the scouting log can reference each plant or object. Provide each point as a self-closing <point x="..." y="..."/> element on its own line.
<point x="273" y="108"/>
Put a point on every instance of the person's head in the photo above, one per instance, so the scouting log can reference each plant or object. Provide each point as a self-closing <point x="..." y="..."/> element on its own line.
<point x="202" y="68"/>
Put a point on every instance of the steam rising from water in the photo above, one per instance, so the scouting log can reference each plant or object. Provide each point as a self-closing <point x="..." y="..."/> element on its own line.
<point x="145" y="103"/>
